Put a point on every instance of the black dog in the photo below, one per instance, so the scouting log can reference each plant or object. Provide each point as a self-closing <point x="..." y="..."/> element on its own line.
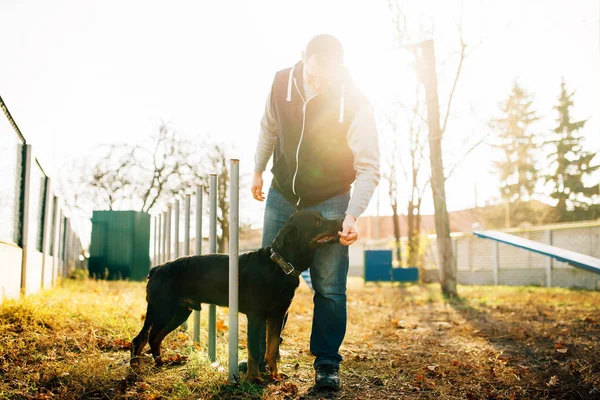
<point x="268" y="279"/>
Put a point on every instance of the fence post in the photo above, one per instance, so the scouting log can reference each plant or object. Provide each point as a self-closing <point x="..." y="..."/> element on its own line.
<point x="25" y="218"/>
<point x="234" y="173"/>
<point x="154" y="247"/>
<point x="56" y="236"/>
<point x="186" y="225"/>
<point x="496" y="261"/>
<point x="169" y="229"/>
<point x="46" y="231"/>
<point x="212" y="244"/>
<point x="176" y="231"/>
<point x="549" y="263"/>
<point x="163" y="239"/>
<point x="198" y="251"/>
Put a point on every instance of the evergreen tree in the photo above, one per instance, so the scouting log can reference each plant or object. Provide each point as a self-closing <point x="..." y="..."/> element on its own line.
<point x="517" y="170"/>
<point x="569" y="163"/>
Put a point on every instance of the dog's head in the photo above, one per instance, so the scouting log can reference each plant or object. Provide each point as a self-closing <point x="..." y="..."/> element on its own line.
<point x="303" y="233"/>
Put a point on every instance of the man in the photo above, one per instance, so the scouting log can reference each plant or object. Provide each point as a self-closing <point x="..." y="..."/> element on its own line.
<point x="321" y="130"/>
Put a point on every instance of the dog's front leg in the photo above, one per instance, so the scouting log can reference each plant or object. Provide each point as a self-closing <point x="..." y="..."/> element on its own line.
<point x="254" y="328"/>
<point x="274" y="325"/>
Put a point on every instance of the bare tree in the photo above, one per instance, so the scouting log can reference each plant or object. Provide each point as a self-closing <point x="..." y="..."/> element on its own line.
<point x="147" y="176"/>
<point x="428" y="76"/>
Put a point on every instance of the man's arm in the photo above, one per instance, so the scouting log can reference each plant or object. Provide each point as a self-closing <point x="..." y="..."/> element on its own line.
<point x="363" y="141"/>
<point x="264" y="149"/>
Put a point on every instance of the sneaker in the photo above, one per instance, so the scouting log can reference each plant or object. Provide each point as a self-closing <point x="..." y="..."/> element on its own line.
<point x="327" y="377"/>
<point x="243" y="367"/>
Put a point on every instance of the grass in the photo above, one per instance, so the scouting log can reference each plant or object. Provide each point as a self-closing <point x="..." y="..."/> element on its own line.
<point x="71" y="342"/>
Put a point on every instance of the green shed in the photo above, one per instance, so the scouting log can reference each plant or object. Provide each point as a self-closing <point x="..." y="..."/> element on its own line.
<point x="120" y="245"/>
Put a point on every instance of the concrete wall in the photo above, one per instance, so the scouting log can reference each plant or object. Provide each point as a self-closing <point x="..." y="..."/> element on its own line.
<point x="11" y="257"/>
<point x="516" y="266"/>
<point x="33" y="272"/>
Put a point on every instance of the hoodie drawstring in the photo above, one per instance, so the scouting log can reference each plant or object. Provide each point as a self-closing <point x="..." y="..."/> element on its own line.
<point x="289" y="91"/>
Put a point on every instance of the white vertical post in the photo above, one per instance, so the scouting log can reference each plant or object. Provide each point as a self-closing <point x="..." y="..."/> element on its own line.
<point x="186" y="225"/>
<point x="212" y="244"/>
<point x="163" y="240"/>
<point x="156" y="235"/>
<point x="46" y="230"/>
<point x="234" y="219"/>
<point x="159" y="238"/>
<point x="176" y="230"/>
<point x="60" y="244"/>
<point x="56" y="236"/>
<point x="549" y="263"/>
<point x="496" y="260"/>
<point x="169" y="228"/>
<point x="25" y="217"/>
<point x="198" y="251"/>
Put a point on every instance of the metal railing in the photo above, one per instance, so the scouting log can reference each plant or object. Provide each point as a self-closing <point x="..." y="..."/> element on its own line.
<point x="166" y="235"/>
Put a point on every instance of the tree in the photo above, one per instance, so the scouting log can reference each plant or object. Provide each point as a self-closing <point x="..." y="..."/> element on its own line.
<point x="570" y="164"/>
<point x="413" y="174"/>
<point x="517" y="170"/>
<point x="147" y="176"/>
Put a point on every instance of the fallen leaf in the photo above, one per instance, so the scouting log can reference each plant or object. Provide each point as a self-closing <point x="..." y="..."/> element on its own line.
<point x="122" y="344"/>
<point x="432" y="367"/>
<point x="562" y="351"/>
<point x="553" y="381"/>
<point x="221" y="325"/>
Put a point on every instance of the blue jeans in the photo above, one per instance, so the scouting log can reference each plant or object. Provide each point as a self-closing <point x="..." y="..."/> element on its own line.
<point x="328" y="273"/>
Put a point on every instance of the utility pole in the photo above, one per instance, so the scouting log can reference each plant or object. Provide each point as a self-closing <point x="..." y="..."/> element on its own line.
<point x="427" y="73"/>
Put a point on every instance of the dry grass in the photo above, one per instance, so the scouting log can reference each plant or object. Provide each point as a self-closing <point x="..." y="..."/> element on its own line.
<point x="402" y="342"/>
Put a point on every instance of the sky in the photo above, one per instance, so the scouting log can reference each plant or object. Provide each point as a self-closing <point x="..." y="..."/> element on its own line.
<point x="76" y="74"/>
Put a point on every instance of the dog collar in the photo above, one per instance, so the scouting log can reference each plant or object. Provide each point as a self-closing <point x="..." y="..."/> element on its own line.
<point x="286" y="267"/>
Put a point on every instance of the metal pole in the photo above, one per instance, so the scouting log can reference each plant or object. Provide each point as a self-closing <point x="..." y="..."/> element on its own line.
<point x="159" y="238"/>
<point x="25" y="217"/>
<point x="163" y="240"/>
<point x="212" y="248"/>
<point x="549" y="263"/>
<point x="199" y="193"/>
<point x="186" y="225"/>
<point x="155" y="245"/>
<point x="176" y="231"/>
<point x="168" y="224"/>
<point x="234" y="211"/>
<point x="496" y="261"/>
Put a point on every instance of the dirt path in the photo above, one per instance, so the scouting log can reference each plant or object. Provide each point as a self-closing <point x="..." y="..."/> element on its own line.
<point x="402" y="342"/>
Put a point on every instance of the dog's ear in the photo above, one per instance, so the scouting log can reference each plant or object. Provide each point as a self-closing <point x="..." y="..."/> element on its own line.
<point x="286" y="235"/>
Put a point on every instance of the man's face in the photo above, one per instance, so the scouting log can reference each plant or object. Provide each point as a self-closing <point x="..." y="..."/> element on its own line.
<point x="319" y="78"/>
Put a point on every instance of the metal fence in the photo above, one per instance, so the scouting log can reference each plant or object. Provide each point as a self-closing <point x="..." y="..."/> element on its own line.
<point x="37" y="241"/>
<point x="166" y="246"/>
<point x="475" y="258"/>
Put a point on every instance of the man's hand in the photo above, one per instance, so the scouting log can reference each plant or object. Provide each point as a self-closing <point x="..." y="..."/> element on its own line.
<point x="257" y="184"/>
<point x="349" y="233"/>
